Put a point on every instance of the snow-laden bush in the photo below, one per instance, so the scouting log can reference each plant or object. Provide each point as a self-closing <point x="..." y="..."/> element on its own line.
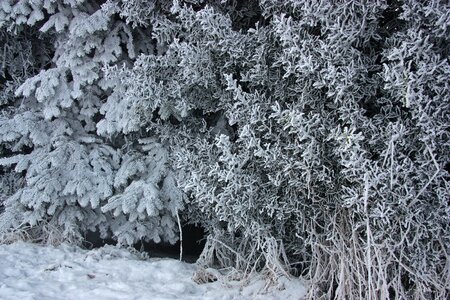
<point x="318" y="135"/>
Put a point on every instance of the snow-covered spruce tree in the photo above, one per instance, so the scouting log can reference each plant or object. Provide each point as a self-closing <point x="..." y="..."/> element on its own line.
<point x="314" y="133"/>
<point x="70" y="171"/>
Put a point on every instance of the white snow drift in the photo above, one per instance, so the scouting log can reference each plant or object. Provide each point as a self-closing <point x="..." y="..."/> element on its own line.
<point x="29" y="271"/>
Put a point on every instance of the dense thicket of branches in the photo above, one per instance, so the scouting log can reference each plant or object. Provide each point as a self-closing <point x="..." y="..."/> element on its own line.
<point x="307" y="137"/>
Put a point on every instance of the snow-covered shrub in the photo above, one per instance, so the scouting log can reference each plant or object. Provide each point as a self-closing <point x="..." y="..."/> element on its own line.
<point x="316" y="135"/>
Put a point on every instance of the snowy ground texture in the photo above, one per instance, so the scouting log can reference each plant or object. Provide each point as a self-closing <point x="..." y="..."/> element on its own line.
<point x="29" y="271"/>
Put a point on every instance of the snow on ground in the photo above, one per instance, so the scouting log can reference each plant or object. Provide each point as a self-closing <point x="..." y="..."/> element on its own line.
<point x="29" y="271"/>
